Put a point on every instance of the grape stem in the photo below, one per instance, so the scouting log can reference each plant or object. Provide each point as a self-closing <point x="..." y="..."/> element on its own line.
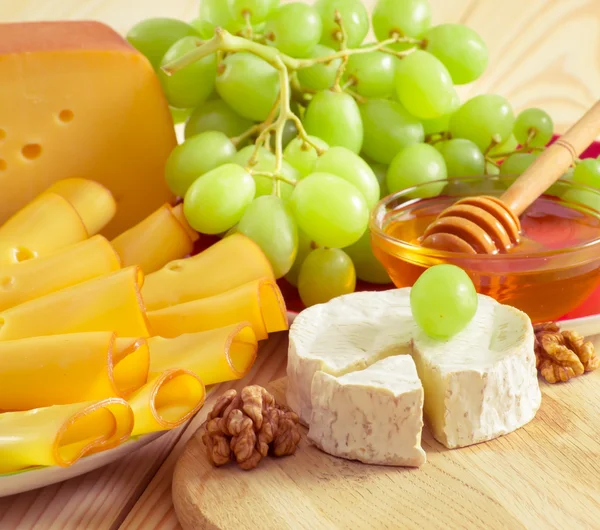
<point x="258" y="127"/>
<point x="343" y="38"/>
<point x="355" y="95"/>
<point x="273" y="176"/>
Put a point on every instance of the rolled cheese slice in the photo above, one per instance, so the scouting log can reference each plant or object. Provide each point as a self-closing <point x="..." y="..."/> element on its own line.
<point x="478" y="385"/>
<point x="229" y="263"/>
<point x="62" y="369"/>
<point x="46" y="224"/>
<point x="93" y="202"/>
<point x="60" y="435"/>
<point x="152" y="243"/>
<point x="166" y="401"/>
<point x="373" y="415"/>
<point x="218" y="355"/>
<point x="24" y="281"/>
<point x="258" y="302"/>
<point x="108" y="303"/>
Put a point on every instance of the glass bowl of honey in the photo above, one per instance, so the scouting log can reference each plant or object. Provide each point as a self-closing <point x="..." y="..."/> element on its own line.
<point x="554" y="268"/>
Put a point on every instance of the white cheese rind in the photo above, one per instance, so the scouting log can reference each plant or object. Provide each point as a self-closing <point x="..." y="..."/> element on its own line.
<point x="346" y="334"/>
<point x="480" y="384"/>
<point x="373" y="415"/>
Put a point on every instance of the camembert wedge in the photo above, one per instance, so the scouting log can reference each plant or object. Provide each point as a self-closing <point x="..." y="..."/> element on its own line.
<point x="480" y="384"/>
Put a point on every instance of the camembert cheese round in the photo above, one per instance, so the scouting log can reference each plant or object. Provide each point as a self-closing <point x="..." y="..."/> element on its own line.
<point x="362" y="374"/>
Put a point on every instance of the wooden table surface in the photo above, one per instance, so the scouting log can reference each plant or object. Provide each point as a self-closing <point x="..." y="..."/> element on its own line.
<point x="542" y="53"/>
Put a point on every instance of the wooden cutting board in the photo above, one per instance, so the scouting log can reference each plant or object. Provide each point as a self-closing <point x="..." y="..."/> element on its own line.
<point x="544" y="475"/>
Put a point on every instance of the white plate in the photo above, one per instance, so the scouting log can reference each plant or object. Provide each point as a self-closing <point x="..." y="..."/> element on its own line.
<point x="19" y="482"/>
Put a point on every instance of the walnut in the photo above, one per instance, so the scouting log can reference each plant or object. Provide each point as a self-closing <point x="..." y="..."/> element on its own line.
<point x="562" y="355"/>
<point x="246" y="426"/>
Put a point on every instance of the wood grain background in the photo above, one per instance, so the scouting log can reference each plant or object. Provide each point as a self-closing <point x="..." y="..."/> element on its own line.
<point x="542" y="53"/>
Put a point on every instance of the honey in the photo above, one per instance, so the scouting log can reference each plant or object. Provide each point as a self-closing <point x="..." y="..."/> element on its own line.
<point x="552" y="271"/>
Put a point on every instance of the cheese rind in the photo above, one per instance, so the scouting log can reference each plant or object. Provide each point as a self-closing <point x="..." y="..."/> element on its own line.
<point x="480" y="384"/>
<point x="373" y="415"/>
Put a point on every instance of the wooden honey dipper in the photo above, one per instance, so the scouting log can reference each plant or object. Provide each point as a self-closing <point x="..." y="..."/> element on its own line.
<point x="488" y="225"/>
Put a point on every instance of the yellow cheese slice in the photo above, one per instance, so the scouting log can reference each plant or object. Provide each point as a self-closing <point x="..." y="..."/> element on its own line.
<point x="258" y="302"/>
<point x="177" y="211"/>
<point x="229" y="263"/>
<point x="74" y="264"/>
<point x="109" y="303"/>
<point x="62" y="369"/>
<point x="76" y="100"/>
<point x="46" y="224"/>
<point x="94" y="203"/>
<point x="60" y="435"/>
<point x="218" y="355"/>
<point x="166" y="401"/>
<point x="155" y="241"/>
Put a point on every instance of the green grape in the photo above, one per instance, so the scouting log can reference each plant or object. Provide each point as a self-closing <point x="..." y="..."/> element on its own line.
<point x="352" y="168"/>
<point x="589" y="199"/>
<point x="190" y="86"/>
<point x="216" y="115"/>
<point x="372" y="74"/>
<point x="462" y="157"/>
<point x="249" y="85"/>
<point x="424" y="86"/>
<point x="443" y="301"/>
<point x="195" y="157"/>
<point x="491" y="169"/>
<point x="417" y="164"/>
<point x="407" y="17"/>
<point x="534" y="121"/>
<point x="302" y="155"/>
<point x="483" y="119"/>
<point x="388" y="127"/>
<point x="368" y="267"/>
<point x="355" y="19"/>
<point x="294" y="29"/>
<point x="217" y="13"/>
<point x="462" y="50"/>
<point x="436" y="125"/>
<point x="217" y="200"/>
<point x="510" y="144"/>
<point x="268" y="221"/>
<point x="179" y="115"/>
<point x="335" y="118"/>
<point x="304" y="248"/>
<point x="380" y="171"/>
<point x="266" y="163"/>
<point x="204" y="28"/>
<point x="230" y="232"/>
<point x="587" y="172"/>
<point x="517" y="163"/>
<point x="330" y="210"/>
<point x="320" y="76"/>
<point x="325" y="274"/>
<point x="257" y="10"/>
<point x="154" y="36"/>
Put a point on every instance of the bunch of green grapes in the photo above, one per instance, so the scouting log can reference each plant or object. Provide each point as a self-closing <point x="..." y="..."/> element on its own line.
<point x="348" y="123"/>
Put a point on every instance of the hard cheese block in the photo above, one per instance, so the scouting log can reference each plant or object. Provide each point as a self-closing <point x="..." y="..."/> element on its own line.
<point x="374" y="415"/>
<point x="76" y="100"/>
<point x="478" y="385"/>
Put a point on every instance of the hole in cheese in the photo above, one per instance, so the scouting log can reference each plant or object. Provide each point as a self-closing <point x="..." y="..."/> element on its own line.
<point x="3" y="164"/>
<point x="175" y="267"/>
<point x="2" y="134"/>
<point x="66" y="115"/>
<point x="7" y="282"/>
<point x="31" y="151"/>
<point x="23" y="254"/>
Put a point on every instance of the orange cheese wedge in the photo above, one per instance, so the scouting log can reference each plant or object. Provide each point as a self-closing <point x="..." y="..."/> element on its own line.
<point x="45" y="225"/>
<point x="74" y="264"/>
<point x="258" y="302"/>
<point x="160" y="238"/>
<point x="109" y="303"/>
<point x="166" y="401"/>
<point x="218" y="355"/>
<point x="229" y="263"/>
<point x="60" y="435"/>
<point x="62" y="369"/>
<point x="93" y="202"/>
